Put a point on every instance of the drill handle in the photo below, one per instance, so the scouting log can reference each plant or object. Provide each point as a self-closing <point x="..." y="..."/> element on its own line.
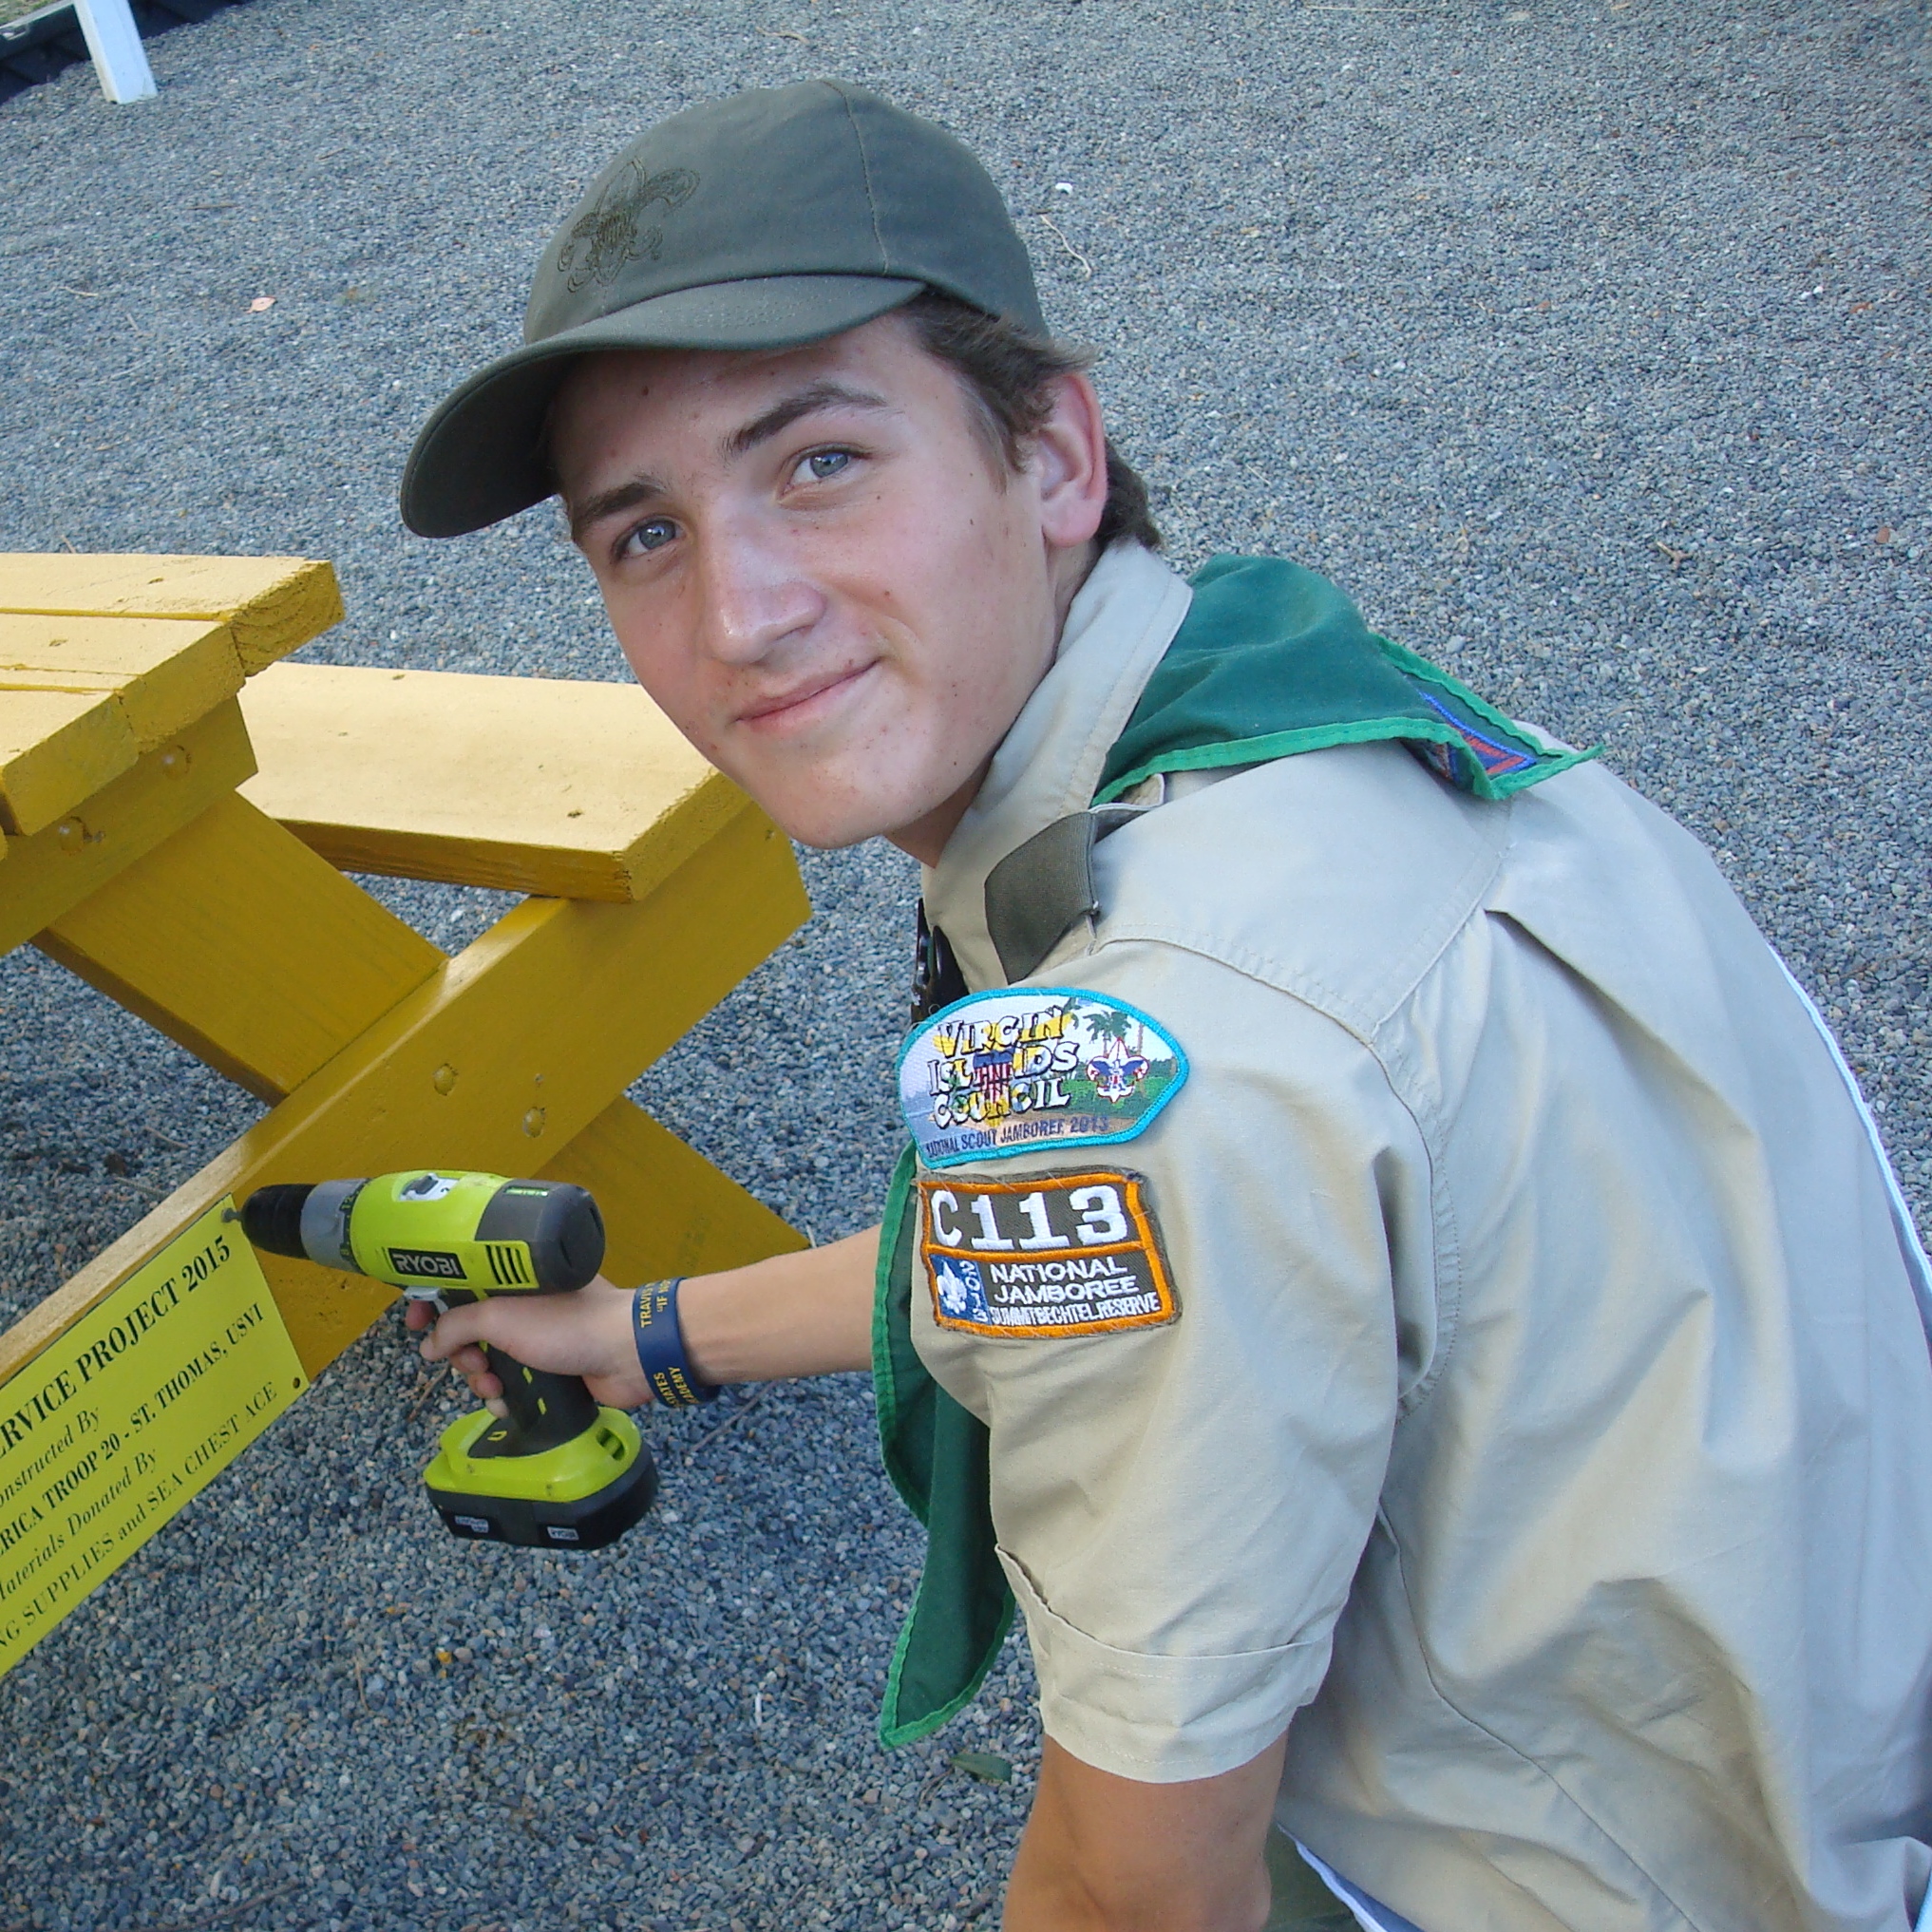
<point x="545" y="1409"/>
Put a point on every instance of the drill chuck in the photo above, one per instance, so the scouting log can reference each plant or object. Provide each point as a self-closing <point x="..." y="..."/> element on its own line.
<point x="272" y="1219"/>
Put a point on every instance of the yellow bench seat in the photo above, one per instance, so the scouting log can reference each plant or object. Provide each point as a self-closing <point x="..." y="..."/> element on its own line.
<point x="544" y="786"/>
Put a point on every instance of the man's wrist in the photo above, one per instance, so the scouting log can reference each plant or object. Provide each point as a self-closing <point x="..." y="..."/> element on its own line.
<point x="723" y="1335"/>
<point x="661" y="1355"/>
<point x="800" y="1314"/>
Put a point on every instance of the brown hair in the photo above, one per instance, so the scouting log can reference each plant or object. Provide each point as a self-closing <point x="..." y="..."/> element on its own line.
<point x="1009" y="370"/>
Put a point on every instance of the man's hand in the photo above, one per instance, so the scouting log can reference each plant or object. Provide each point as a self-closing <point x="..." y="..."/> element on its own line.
<point x="586" y="1333"/>
<point x="1103" y="1853"/>
<point x="794" y="1315"/>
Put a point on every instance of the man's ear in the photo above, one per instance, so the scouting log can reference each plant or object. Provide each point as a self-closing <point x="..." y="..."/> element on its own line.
<point x="1069" y="459"/>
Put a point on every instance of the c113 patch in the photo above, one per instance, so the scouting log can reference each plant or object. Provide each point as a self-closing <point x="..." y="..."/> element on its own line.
<point x="1010" y="1071"/>
<point x="1057" y="1254"/>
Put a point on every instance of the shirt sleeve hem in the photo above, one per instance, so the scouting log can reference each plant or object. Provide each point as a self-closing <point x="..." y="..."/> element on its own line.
<point x="1158" y="1719"/>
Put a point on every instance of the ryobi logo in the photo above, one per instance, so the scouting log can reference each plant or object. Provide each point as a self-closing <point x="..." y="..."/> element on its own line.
<point x="431" y="1264"/>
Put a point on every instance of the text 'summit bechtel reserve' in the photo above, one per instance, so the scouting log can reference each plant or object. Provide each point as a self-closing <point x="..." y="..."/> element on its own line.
<point x="106" y="1432"/>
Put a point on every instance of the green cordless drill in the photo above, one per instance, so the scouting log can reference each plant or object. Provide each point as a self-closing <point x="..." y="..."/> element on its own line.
<point x="558" y="1473"/>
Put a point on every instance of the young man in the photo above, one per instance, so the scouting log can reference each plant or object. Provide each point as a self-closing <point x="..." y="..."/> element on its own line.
<point x="1390" y="1275"/>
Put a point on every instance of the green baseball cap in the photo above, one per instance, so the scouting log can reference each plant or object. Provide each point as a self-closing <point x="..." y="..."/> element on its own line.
<point x="772" y="217"/>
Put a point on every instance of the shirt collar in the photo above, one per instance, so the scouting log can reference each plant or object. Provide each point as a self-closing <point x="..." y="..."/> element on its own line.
<point x="1050" y="763"/>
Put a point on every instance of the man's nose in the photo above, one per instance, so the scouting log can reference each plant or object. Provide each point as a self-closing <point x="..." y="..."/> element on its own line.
<point x="756" y="595"/>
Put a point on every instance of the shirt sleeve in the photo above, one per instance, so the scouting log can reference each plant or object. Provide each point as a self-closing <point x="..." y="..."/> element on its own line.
<point x="1181" y="1506"/>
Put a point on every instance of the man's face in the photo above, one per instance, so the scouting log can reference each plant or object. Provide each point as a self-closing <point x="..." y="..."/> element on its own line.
<point x="821" y="570"/>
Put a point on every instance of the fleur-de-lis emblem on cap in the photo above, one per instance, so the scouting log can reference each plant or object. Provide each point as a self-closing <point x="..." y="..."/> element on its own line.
<point x="608" y="235"/>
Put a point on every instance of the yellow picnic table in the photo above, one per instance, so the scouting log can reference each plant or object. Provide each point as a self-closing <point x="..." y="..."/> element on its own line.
<point x="174" y="807"/>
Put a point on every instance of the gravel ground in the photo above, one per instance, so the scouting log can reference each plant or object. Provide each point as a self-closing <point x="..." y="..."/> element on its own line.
<point x="1583" y="343"/>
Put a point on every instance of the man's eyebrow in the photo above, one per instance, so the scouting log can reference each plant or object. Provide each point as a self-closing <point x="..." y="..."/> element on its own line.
<point x="638" y="490"/>
<point x="623" y="496"/>
<point x="781" y="416"/>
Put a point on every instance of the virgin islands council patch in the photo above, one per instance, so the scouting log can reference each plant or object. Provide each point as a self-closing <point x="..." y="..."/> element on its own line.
<point x="1025" y="1068"/>
<point x="1049" y="1256"/>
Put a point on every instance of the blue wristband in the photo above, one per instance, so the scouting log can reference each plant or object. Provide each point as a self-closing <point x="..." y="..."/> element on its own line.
<point x="660" y="1347"/>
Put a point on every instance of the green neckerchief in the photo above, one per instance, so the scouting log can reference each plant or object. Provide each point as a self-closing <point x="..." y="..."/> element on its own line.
<point x="936" y="1453"/>
<point x="1270" y="660"/>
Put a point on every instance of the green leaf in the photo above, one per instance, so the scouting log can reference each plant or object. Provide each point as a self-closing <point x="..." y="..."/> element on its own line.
<point x="984" y="1765"/>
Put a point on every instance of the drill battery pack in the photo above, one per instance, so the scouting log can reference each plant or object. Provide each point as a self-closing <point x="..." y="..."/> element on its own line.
<point x="580" y="1494"/>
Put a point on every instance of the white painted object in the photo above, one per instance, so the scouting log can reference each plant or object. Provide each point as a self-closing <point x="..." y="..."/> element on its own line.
<point x="120" y="60"/>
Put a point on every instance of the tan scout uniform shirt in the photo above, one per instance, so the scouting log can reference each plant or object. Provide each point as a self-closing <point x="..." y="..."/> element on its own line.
<point x="1548" y="1419"/>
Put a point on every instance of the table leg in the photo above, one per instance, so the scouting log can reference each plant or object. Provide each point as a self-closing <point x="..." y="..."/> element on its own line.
<point x="499" y="1060"/>
<point x="239" y="943"/>
<point x="55" y="869"/>
<point x="667" y="1210"/>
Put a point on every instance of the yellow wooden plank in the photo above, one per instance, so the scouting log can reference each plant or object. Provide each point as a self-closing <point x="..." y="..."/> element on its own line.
<point x="270" y="604"/>
<point x="667" y="1210"/>
<point x="165" y="673"/>
<point x="99" y="683"/>
<point x="123" y="647"/>
<point x="57" y="748"/>
<point x="56" y="869"/>
<point x="501" y="1060"/>
<point x="234" y="939"/>
<point x="530" y="785"/>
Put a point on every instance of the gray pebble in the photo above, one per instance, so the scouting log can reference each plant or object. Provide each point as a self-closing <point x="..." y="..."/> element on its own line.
<point x="1579" y="344"/>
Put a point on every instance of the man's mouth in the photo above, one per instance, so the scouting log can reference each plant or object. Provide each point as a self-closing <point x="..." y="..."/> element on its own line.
<point x="805" y="703"/>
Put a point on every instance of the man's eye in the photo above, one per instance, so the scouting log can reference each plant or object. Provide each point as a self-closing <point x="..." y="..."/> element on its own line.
<point x="822" y="463"/>
<point x="654" y="535"/>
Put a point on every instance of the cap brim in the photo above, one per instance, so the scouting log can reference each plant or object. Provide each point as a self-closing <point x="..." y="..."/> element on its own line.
<point x="480" y="458"/>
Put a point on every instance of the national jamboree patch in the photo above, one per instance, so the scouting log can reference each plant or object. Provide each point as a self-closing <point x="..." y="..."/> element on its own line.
<point x="1055" y="1255"/>
<point x="1004" y="1072"/>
